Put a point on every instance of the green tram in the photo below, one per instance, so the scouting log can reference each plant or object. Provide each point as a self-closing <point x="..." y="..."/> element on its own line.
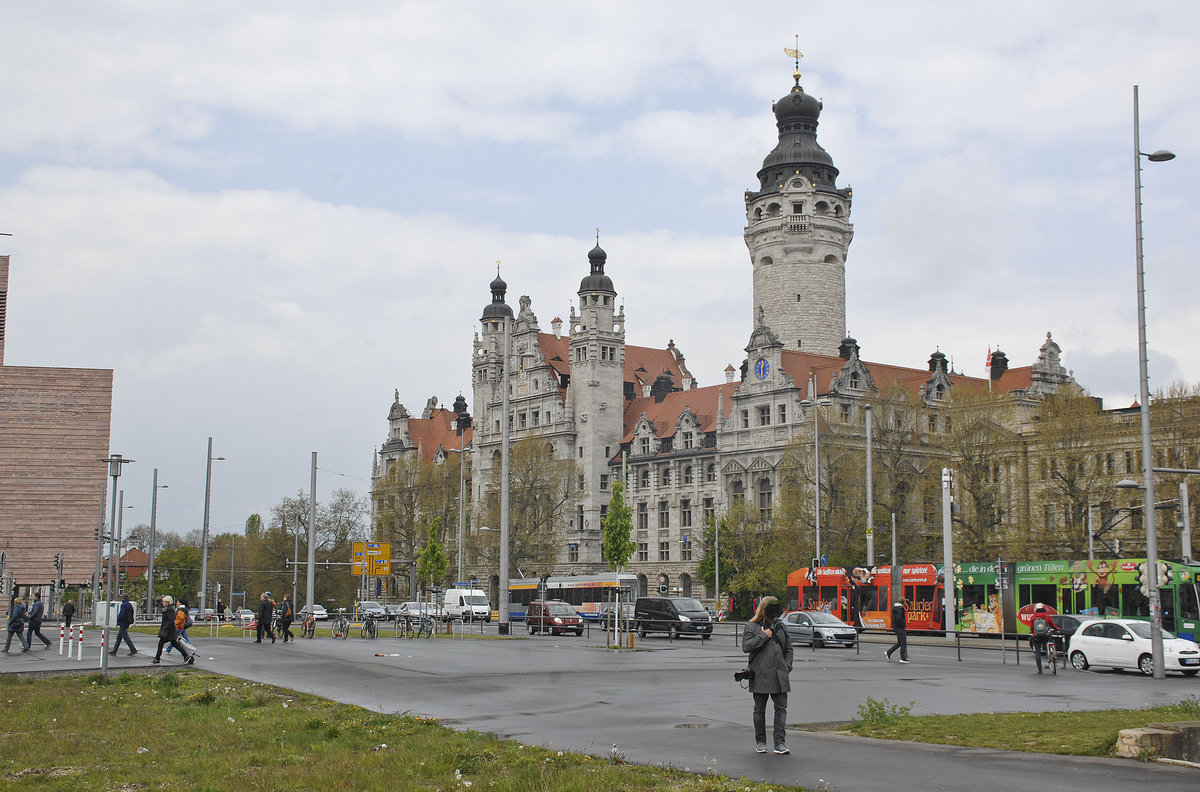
<point x="1001" y="595"/>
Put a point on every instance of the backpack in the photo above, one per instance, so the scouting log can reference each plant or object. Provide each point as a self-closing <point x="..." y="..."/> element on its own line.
<point x="1040" y="627"/>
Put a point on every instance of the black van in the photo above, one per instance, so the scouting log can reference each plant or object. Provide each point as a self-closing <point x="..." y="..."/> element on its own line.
<point x="674" y="616"/>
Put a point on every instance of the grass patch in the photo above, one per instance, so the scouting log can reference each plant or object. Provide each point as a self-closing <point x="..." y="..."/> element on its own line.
<point x="1092" y="733"/>
<point x="199" y="731"/>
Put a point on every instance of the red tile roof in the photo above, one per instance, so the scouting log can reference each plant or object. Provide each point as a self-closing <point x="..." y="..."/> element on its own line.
<point x="642" y="364"/>
<point x="664" y="415"/>
<point x="437" y="431"/>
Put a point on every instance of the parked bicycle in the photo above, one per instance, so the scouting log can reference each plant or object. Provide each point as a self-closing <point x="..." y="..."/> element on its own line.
<point x="341" y="627"/>
<point x="308" y="626"/>
<point x="414" y="626"/>
<point x="368" y="629"/>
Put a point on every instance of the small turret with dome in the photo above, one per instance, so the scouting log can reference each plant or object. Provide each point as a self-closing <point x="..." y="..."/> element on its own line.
<point x="596" y="280"/>
<point x="497" y="309"/>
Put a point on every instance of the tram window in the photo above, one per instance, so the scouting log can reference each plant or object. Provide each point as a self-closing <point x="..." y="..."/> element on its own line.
<point x="1077" y="600"/>
<point x="829" y="596"/>
<point x="922" y="594"/>
<point x="1189" y="607"/>
<point x="1133" y="601"/>
<point x="1044" y="593"/>
<point x="1104" y="600"/>
<point x="1166" y="597"/>
<point x="973" y="596"/>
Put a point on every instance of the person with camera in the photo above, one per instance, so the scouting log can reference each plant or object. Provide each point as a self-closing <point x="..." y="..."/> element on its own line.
<point x="769" y="666"/>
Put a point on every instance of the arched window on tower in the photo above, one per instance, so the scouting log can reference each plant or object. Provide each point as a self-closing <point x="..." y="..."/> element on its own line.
<point x="739" y="491"/>
<point x="773" y="210"/>
<point x="821" y="208"/>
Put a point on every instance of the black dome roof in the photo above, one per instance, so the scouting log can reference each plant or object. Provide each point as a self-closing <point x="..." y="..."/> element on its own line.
<point x="796" y="116"/>
<point x="597" y="281"/>
<point x="497" y="309"/>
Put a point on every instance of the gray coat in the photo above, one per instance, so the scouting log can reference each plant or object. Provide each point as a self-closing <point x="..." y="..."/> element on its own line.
<point x="770" y="658"/>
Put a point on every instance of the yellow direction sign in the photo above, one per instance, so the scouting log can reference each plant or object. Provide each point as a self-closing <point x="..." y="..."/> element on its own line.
<point x="376" y="556"/>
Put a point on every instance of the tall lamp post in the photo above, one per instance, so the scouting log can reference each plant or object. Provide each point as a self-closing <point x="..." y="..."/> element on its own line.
<point x="153" y="539"/>
<point x="1156" y="644"/>
<point x="814" y="403"/>
<point x="209" y="459"/>
<point x="114" y="469"/>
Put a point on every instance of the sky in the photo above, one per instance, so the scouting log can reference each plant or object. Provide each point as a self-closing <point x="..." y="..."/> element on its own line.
<point x="267" y="218"/>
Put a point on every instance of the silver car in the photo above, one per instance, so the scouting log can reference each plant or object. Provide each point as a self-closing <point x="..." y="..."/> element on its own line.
<point x="817" y="628"/>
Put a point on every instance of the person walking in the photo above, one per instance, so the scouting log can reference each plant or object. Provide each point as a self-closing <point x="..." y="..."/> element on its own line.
<point x="266" y="612"/>
<point x="16" y="626"/>
<point x="183" y="620"/>
<point x="166" y="633"/>
<point x="900" y="627"/>
<point x="37" y="612"/>
<point x="124" y="622"/>
<point x="770" y="650"/>
<point x="286" y="616"/>
<point x="68" y="613"/>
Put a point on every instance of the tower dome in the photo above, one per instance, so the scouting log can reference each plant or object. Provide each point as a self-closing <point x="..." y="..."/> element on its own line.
<point x="497" y="309"/>
<point x="596" y="280"/>
<point x="796" y="117"/>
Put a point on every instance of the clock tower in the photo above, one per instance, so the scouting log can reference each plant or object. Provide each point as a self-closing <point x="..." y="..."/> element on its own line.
<point x="798" y="232"/>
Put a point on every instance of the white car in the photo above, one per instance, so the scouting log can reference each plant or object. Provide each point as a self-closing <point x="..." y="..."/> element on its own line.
<point x="1125" y="643"/>
<point x="318" y="612"/>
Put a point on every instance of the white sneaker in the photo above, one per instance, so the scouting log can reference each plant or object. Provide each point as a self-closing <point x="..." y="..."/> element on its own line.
<point x="904" y="661"/>
<point x="887" y="658"/>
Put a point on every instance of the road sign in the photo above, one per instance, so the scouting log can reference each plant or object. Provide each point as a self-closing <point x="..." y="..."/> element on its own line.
<point x="376" y="556"/>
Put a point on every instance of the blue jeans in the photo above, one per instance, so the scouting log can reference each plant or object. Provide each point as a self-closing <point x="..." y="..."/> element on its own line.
<point x="760" y="718"/>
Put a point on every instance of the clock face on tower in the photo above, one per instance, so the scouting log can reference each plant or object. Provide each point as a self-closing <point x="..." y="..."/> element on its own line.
<point x="762" y="368"/>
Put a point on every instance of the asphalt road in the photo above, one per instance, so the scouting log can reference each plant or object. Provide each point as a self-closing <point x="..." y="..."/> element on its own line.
<point x="675" y="703"/>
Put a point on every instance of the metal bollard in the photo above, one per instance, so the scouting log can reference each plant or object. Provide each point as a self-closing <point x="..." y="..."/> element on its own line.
<point x="62" y="633"/>
<point x="79" y="645"/>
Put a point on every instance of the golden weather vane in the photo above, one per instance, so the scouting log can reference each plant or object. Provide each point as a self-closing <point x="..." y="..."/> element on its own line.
<point x="795" y="53"/>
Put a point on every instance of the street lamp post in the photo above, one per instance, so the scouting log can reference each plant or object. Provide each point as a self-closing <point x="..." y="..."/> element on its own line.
<point x="114" y="469"/>
<point x="153" y="539"/>
<point x="870" y="495"/>
<point x="503" y="628"/>
<point x="1156" y="644"/>
<point x="209" y="458"/>
<point x="814" y="403"/>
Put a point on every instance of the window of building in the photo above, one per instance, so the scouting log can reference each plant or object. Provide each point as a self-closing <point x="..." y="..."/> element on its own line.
<point x="645" y="445"/>
<point x="1129" y="462"/>
<point x="932" y="423"/>
<point x="579" y="518"/>
<point x="710" y="511"/>
<point x="581" y="452"/>
<point x="664" y="550"/>
<point x="687" y="440"/>
<point x="783" y="413"/>
<point x="643" y="551"/>
<point x="581" y="483"/>
<point x="522" y="419"/>
<point x="685" y="513"/>
<point x="685" y="548"/>
<point x="643" y="517"/>
<point x="745" y="419"/>
<point x="710" y="475"/>
<point x="603" y="512"/>
<point x="845" y="412"/>
<point x="664" y="514"/>
<point x="687" y="475"/>
<point x="573" y="552"/>
<point x="854" y="380"/>
<point x="664" y="476"/>
<point x="645" y="478"/>
<point x="739" y="491"/>
<point x="1108" y="463"/>
<point x="764" y="500"/>
<point x="799" y="298"/>
<point x="764" y="415"/>
<point x="608" y="452"/>
<point x="603" y="481"/>
<point x="537" y="417"/>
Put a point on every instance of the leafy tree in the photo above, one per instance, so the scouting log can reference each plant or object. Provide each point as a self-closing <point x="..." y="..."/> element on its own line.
<point x="432" y="562"/>
<point x="541" y="490"/>
<point x="181" y="566"/>
<point x="747" y="569"/>
<point x="254" y="525"/>
<point x="618" y="529"/>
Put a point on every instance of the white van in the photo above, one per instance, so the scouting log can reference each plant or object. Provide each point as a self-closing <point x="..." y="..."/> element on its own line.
<point x="467" y="604"/>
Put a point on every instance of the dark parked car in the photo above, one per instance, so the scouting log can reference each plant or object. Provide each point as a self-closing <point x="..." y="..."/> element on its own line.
<point x="817" y="628"/>
<point x="674" y="616"/>
<point x="552" y="616"/>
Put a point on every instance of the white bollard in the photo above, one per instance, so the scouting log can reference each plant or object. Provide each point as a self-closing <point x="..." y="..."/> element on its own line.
<point x="62" y="634"/>
<point x="103" y="643"/>
<point x="79" y="645"/>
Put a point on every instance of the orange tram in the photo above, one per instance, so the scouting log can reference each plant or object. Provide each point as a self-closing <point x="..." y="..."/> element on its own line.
<point x="995" y="597"/>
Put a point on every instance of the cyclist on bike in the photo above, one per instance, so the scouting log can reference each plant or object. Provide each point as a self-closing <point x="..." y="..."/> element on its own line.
<point x="1039" y="632"/>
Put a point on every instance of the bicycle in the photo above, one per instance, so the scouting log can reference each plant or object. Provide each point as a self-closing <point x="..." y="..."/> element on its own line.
<point x="368" y="629"/>
<point x="308" y="626"/>
<point x="340" y="627"/>
<point x="1052" y="650"/>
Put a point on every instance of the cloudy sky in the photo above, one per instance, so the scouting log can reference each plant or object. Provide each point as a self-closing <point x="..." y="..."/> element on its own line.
<point x="268" y="217"/>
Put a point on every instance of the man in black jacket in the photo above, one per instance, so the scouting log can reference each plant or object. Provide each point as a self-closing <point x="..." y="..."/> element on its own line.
<point x="266" y="612"/>
<point x="166" y="633"/>
<point x="37" y="612"/>
<point x="900" y="627"/>
<point x="124" y="622"/>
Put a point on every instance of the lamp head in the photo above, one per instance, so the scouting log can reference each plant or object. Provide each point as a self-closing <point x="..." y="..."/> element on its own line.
<point x="1162" y="155"/>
